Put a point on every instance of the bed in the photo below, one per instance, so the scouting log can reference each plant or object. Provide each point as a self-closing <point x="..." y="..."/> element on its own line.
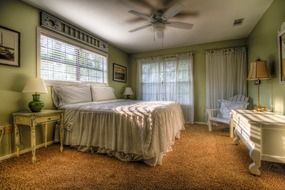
<point x="126" y="129"/>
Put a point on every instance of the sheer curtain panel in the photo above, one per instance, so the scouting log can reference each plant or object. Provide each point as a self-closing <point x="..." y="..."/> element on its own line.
<point x="225" y="74"/>
<point x="168" y="78"/>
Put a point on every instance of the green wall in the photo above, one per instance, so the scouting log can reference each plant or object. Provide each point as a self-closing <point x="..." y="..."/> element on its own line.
<point x="262" y="43"/>
<point x="199" y="69"/>
<point x="24" y="18"/>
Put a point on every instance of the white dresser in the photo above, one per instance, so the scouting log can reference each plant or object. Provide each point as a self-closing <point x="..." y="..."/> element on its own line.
<point x="263" y="133"/>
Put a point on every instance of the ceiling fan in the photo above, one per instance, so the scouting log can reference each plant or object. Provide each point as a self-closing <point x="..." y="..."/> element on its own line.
<point x="160" y="16"/>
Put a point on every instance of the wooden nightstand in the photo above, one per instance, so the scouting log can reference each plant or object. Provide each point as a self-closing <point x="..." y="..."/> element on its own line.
<point x="32" y="119"/>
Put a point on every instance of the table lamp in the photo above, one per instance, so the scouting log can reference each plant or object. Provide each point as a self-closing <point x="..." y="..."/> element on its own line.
<point x="36" y="86"/>
<point x="258" y="71"/>
<point x="128" y="92"/>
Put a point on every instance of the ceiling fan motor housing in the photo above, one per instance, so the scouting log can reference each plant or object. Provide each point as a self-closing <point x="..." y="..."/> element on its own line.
<point x="159" y="20"/>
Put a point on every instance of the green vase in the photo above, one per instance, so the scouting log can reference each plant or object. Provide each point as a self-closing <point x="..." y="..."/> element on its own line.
<point x="36" y="105"/>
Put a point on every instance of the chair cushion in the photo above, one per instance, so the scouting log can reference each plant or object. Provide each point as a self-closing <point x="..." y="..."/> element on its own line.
<point x="228" y="106"/>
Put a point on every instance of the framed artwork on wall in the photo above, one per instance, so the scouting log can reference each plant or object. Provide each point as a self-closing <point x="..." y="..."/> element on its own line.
<point x="9" y="47"/>
<point x="119" y="73"/>
<point x="281" y="52"/>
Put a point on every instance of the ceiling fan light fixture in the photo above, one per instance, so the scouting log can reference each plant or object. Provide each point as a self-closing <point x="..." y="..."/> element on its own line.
<point x="158" y="19"/>
<point x="159" y="34"/>
<point x="158" y="26"/>
<point x="158" y="29"/>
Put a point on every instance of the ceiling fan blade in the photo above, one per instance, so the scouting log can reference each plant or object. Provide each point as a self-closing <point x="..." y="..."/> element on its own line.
<point x="180" y="25"/>
<point x="141" y="15"/>
<point x="135" y="20"/>
<point x="184" y="14"/>
<point x="140" y="28"/>
<point x="172" y="11"/>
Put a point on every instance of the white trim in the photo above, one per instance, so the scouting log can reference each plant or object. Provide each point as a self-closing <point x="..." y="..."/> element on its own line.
<point x="200" y="123"/>
<point x="24" y="151"/>
<point x="40" y="30"/>
<point x="72" y="83"/>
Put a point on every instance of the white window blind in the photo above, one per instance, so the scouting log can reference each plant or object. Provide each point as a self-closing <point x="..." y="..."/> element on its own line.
<point x="65" y="62"/>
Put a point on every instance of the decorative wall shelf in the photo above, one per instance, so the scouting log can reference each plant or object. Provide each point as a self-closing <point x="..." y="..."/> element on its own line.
<point x="57" y="25"/>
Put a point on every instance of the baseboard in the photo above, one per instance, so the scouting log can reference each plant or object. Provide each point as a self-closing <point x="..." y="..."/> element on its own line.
<point x="23" y="151"/>
<point x="200" y="123"/>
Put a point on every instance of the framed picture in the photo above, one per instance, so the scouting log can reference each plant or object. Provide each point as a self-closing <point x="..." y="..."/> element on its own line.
<point x="9" y="47"/>
<point x="119" y="73"/>
<point x="281" y="52"/>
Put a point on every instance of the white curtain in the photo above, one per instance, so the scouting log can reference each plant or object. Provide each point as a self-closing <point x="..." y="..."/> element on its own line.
<point x="168" y="79"/>
<point x="225" y="74"/>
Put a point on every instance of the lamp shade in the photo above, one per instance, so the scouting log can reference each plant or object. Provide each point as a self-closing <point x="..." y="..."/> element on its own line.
<point x="258" y="71"/>
<point x="128" y="91"/>
<point x="37" y="86"/>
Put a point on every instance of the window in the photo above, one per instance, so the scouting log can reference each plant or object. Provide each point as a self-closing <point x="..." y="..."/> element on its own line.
<point x="167" y="79"/>
<point x="66" y="62"/>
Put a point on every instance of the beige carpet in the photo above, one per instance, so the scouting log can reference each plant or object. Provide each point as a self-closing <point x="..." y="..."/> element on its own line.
<point x="199" y="160"/>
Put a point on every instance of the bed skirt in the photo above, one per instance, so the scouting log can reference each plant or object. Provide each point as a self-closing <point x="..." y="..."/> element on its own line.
<point x="129" y="133"/>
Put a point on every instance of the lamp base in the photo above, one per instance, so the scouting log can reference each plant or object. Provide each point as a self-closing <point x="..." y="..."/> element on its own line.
<point x="36" y="105"/>
<point x="260" y="109"/>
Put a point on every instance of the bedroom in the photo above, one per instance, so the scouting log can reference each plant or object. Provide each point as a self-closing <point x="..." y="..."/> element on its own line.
<point x="200" y="159"/>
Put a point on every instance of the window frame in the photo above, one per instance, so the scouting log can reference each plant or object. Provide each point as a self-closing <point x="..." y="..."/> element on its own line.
<point x="71" y="42"/>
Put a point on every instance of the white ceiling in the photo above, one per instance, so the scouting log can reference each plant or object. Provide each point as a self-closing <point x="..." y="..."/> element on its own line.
<point x="108" y="20"/>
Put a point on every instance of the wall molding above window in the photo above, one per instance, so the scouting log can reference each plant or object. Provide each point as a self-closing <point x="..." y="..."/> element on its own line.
<point x="57" y="25"/>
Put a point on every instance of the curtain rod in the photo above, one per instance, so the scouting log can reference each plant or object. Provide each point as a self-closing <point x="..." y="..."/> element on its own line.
<point x="164" y="55"/>
<point x="226" y="48"/>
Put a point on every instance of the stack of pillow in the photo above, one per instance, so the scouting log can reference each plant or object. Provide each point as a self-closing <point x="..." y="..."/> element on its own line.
<point x="63" y="95"/>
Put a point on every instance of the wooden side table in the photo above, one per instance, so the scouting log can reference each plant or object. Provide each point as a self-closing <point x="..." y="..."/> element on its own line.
<point x="2" y="131"/>
<point x="32" y="120"/>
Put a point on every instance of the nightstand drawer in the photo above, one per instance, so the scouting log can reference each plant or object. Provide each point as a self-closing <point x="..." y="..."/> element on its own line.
<point x="48" y="118"/>
<point x="22" y="120"/>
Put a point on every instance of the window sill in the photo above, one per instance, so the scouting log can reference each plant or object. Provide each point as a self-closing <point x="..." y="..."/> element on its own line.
<point x="73" y="83"/>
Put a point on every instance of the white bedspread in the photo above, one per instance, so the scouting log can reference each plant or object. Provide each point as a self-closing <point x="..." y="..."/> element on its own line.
<point x="127" y="129"/>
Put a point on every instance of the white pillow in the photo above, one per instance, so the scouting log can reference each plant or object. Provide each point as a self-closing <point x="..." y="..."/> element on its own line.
<point x="71" y="94"/>
<point x="228" y="106"/>
<point x="102" y="93"/>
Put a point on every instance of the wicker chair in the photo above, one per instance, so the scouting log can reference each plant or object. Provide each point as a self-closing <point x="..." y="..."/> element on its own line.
<point x="222" y="114"/>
